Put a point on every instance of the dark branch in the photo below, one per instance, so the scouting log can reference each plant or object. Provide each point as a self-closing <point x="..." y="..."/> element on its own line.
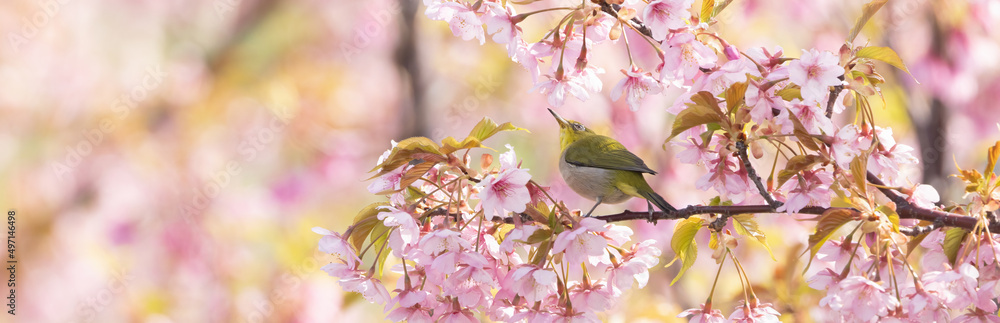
<point x="907" y="210"/>
<point x="741" y="148"/>
<point x="833" y="98"/>
<point x="635" y="22"/>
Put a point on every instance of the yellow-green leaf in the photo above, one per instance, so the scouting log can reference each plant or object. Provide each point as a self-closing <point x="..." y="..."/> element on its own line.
<point x="953" y="238"/>
<point x="790" y="92"/>
<point x="891" y="214"/>
<point x="735" y="95"/>
<point x="414" y="173"/>
<point x="859" y="171"/>
<point x="707" y="8"/>
<point x="683" y="244"/>
<point x="992" y="154"/>
<point x="828" y="223"/>
<point x="542" y="253"/>
<point x="801" y="134"/>
<point x="538" y="236"/>
<point x="797" y="164"/>
<point x="405" y="152"/>
<point x="884" y="54"/>
<point x="487" y="128"/>
<point x="705" y="109"/>
<point x="380" y="245"/>
<point x="364" y="222"/>
<point x="745" y="224"/>
<point x="867" y="12"/>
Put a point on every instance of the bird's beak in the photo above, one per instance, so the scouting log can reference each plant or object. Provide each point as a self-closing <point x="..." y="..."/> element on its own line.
<point x="562" y="122"/>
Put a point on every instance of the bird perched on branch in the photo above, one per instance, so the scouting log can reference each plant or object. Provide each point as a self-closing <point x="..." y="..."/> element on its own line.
<point x="601" y="169"/>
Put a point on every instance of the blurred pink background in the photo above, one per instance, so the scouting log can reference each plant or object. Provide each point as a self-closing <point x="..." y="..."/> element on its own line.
<point x="166" y="160"/>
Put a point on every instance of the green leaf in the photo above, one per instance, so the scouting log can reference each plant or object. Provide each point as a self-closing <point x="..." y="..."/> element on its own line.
<point x="542" y="253"/>
<point x="683" y="244"/>
<point x="800" y="133"/>
<point x="790" y="92"/>
<point x="413" y="174"/>
<point x="735" y="95"/>
<point x="884" y="54"/>
<point x="797" y="164"/>
<point x="407" y="151"/>
<point x="866" y="14"/>
<point x="953" y="238"/>
<point x="828" y="223"/>
<point x="380" y="243"/>
<point x="992" y="154"/>
<point x="538" y="236"/>
<point x="745" y="224"/>
<point x="859" y="171"/>
<point x="487" y="128"/>
<point x="364" y="222"/>
<point x="705" y="109"/>
<point x="484" y="129"/>
<point x="707" y="8"/>
<point x="891" y="214"/>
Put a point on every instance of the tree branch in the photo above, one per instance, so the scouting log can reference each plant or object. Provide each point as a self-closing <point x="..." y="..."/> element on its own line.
<point x="907" y="210"/>
<point x="741" y="148"/>
<point x="612" y="9"/>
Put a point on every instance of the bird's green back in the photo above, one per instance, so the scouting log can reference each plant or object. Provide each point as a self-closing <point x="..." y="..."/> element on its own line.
<point x="604" y="152"/>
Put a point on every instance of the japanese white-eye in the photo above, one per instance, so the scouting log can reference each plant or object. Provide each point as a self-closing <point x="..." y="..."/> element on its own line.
<point x="601" y="169"/>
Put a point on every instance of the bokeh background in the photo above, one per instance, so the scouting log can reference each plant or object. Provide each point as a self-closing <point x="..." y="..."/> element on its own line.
<point x="166" y="159"/>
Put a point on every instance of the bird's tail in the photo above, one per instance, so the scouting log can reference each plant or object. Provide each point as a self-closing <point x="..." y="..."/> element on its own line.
<point x="658" y="200"/>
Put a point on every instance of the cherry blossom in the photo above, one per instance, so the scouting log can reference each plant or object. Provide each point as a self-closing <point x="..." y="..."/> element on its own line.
<point x="815" y="72"/>
<point x="354" y="280"/>
<point x="754" y="312"/>
<point x="847" y="144"/>
<point x="581" y="244"/>
<point x="924" y="196"/>
<point x="887" y="160"/>
<point x="957" y="288"/>
<point x="703" y="314"/>
<point x="506" y="190"/>
<point x="763" y="102"/>
<point x="633" y="267"/>
<point x="684" y="59"/>
<point x="635" y="86"/>
<point x="389" y="181"/>
<point x="864" y="299"/>
<point x="408" y="230"/>
<point x="500" y="22"/>
<point x="811" y="187"/>
<point x="335" y="244"/>
<point x="591" y="296"/>
<point x="921" y="304"/>
<point x="531" y="282"/>
<point x="695" y="150"/>
<point x="812" y="117"/>
<point x="462" y="19"/>
<point x="662" y="15"/>
<point x="576" y="84"/>
<point x="723" y="175"/>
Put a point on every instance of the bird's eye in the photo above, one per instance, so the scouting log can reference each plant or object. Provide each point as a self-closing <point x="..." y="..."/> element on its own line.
<point x="577" y="126"/>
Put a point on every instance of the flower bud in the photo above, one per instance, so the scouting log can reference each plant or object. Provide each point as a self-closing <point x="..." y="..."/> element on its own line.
<point x="731" y="52"/>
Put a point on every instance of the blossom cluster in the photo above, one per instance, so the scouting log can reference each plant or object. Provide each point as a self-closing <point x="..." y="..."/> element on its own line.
<point x="456" y="259"/>
<point x="493" y="242"/>
<point x="865" y="286"/>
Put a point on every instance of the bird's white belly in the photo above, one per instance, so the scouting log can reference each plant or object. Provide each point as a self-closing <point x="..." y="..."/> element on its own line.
<point x="591" y="182"/>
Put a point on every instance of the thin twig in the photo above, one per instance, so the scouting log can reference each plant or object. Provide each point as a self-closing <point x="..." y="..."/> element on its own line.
<point x="741" y="150"/>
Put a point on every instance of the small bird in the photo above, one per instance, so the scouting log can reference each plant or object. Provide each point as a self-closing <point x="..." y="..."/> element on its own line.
<point x="601" y="169"/>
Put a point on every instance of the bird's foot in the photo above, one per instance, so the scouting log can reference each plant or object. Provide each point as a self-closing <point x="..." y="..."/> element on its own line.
<point x="652" y="219"/>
